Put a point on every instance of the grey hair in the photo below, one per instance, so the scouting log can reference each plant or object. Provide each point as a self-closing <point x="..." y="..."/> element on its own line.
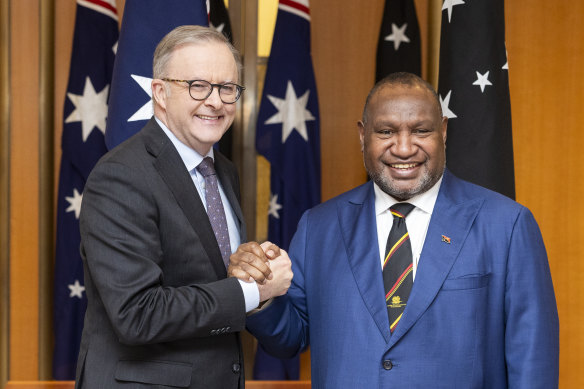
<point x="184" y="35"/>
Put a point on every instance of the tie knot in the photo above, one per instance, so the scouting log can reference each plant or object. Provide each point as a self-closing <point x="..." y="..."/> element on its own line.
<point x="206" y="167"/>
<point x="401" y="210"/>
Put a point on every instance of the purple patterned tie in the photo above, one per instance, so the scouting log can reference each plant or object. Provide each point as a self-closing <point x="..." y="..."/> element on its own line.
<point x="215" y="209"/>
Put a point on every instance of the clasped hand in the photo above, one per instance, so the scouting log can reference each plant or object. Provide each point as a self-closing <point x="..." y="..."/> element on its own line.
<point x="266" y="264"/>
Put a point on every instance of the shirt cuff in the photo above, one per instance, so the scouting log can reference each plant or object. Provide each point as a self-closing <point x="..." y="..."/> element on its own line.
<point x="251" y="294"/>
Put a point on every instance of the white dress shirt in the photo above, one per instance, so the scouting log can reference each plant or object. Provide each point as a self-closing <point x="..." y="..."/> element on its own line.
<point x="417" y="220"/>
<point x="192" y="159"/>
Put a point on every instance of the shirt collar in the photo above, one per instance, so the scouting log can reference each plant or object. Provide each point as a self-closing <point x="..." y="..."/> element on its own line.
<point x="424" y="201"/>
<point x="190" y="157"/>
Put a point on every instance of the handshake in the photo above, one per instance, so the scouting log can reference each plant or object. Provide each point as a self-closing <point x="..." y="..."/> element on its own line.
<point x="266" y="264"/>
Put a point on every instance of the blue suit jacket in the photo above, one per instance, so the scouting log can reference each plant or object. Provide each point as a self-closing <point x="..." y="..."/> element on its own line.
<point x="481" y="314"/>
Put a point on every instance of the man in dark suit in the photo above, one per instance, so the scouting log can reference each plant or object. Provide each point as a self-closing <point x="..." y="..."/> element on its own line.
<point x="159" y="222"/>
<point x="473" y="305"/>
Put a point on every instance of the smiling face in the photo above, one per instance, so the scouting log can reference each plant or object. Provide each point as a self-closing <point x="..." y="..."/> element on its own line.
<point x="403" y="140"/>
<point x="198" y="124"/>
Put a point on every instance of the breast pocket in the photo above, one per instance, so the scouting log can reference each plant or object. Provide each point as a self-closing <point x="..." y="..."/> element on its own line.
<point x="472" y="281"/>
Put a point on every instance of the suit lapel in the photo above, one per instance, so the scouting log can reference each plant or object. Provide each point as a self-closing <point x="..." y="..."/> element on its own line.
<point x="452" y="217"/>
<point x="359" y="232"/>
<point x="171" y="168"/>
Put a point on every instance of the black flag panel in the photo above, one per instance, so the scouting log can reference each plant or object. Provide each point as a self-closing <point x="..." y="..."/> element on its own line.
<point x="474" y="92"/>
<point x="398" y="48"/>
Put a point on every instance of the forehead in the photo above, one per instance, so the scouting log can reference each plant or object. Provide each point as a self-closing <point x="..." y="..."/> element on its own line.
<point x="203" y="59"/>
<point x="402" y="101"/>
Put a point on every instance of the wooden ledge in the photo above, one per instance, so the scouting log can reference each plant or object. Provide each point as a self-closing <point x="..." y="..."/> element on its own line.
<point x="71" y="385"/>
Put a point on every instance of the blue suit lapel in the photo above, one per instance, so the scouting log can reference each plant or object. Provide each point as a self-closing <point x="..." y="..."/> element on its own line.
<point x="359" y="232"/>
<point x="452" y="217"/>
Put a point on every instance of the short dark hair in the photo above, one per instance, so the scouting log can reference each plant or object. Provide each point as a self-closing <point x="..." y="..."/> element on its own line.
<point x="402" y="79"/>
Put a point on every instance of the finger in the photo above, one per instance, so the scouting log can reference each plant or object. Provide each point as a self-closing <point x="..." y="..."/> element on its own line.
<point x="249" y="262"/>
<point x="237" y="272"/>
<point x="271" y="250"/>
<point x="254" y="273"/>
<point x="252" y="254"/>
<point x="255" y="249"/>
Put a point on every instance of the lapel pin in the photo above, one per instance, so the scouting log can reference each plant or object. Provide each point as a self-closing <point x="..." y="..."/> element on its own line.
<point x="445" y="239"/>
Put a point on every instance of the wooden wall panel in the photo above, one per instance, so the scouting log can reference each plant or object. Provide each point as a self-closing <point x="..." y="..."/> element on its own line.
<point x="546" y="58"/>
<point x="24" y="185"/>
<point x="344" y="40"/>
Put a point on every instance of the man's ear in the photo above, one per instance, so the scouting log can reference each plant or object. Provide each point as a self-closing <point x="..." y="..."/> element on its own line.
<point x="361" y="128"/>
<point x="444" y="127"/>
<point x="159" y="92"/>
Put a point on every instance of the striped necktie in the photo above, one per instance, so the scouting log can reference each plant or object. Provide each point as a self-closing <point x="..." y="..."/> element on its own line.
<point x="398" y="265"/>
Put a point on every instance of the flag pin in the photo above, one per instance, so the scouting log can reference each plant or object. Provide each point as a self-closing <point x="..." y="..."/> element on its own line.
<point x="445" y="239"/>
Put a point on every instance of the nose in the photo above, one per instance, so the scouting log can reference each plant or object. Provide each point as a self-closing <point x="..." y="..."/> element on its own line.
<point x="214" y="100"/>
<point x="404" y="146"/>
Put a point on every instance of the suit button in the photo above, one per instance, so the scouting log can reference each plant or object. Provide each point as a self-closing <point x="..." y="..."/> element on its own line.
<point x="387" y="365"/>
<point x="235" y="368"/>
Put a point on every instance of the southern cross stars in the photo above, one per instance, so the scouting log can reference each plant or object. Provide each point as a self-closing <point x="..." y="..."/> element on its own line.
<point x="90" y="109"/>
<point x="218" y="28"/>
<point x="274" y="207"/>
<point x="398" y="35"/>
<point x="448" y="4"/>
<point x="444" y="104"/>
<point x="482" y="80"/>
<point x="74" y="203"/>
<point x="292" y="113"/>
<point x="76" y="289"/>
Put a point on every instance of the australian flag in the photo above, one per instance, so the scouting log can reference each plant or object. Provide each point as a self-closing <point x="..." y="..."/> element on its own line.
<point x="85" y="111"/>
<point x="145" y="23"/>
<point x="474" y="93"/>
<point x="288" y="136"/>
<point x="398" y="48"/>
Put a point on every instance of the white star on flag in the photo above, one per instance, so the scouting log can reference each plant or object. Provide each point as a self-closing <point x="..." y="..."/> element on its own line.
<point x="292" y="113"/>
<point x="146" y="111"/>
<point x="448" y="4"/>
<point x="90" y="109"/>
<point x="482" y="80"/>
<point x="218" y="28"/>
<point x="74" y="203"/>
<point x="444" y="104"/>
<point x="76" y="289"/>
<point x="274" y="207"/>
<point x="398" y="35"/>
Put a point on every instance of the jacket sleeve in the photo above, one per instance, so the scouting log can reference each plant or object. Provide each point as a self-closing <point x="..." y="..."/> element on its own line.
<point x="128" y="271"/>
<point x="531" y="317"/>
<point x="282" y="327"/>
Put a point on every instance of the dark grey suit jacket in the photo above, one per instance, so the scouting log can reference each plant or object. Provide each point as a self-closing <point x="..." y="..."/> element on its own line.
<point x="161" y="311"/>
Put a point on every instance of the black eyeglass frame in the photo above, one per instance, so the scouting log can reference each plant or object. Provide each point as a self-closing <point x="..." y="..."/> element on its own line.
<point x="240" y="89"/>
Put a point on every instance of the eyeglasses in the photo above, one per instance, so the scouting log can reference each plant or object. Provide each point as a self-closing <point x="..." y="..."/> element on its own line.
<point x="199" y="90"/>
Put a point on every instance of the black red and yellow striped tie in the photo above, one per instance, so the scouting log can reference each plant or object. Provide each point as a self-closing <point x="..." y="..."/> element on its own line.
<point x="398" y="265"/>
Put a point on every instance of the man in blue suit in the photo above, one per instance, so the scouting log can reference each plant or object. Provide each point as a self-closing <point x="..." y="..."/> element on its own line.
<point x="481" y="312"/>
